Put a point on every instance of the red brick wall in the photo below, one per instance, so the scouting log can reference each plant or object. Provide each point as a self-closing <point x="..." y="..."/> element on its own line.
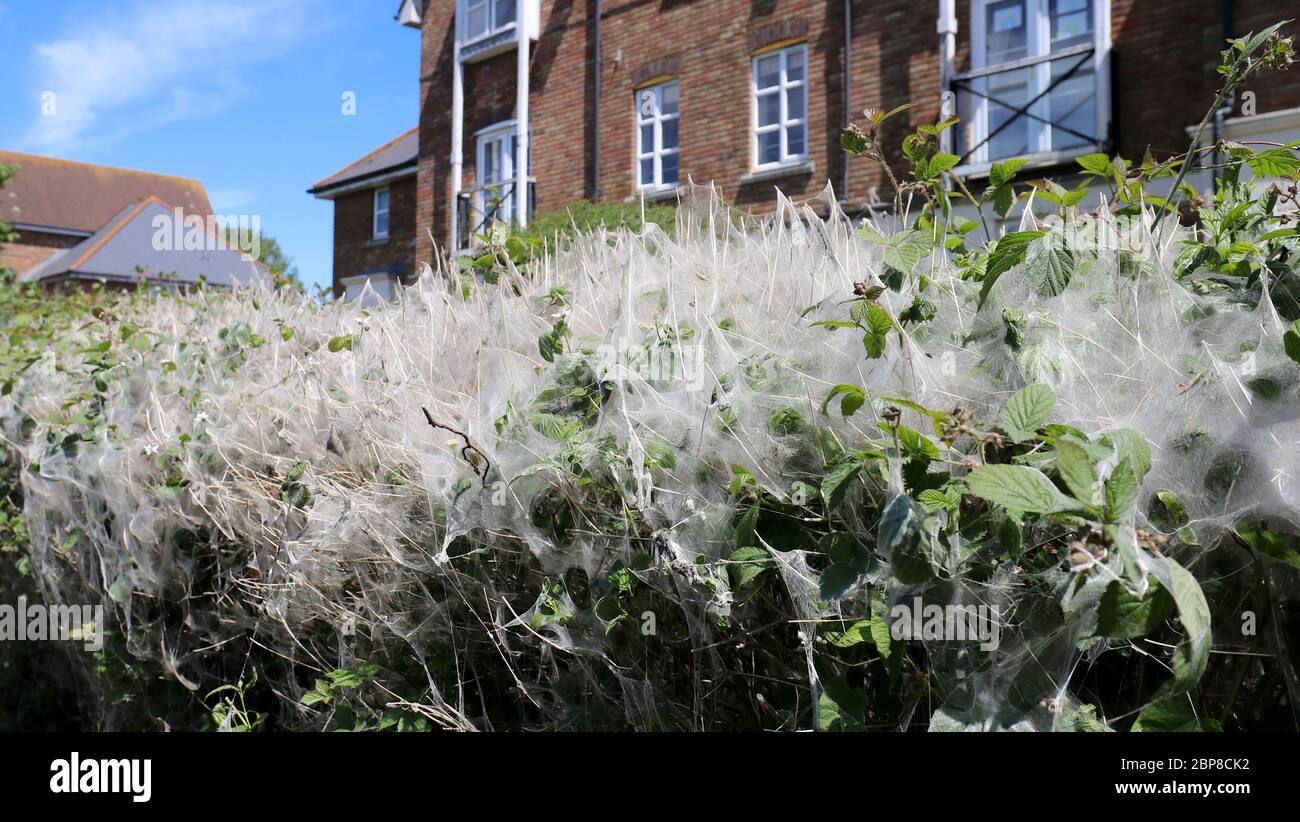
<point x="355" y="251"/>
<point x="1163" y="78"/>
<point x="33" y="247"/>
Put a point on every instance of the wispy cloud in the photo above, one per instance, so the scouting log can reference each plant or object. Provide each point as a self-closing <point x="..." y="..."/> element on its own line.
<point x="122" y="70"/>
<point x="228" y="199"/>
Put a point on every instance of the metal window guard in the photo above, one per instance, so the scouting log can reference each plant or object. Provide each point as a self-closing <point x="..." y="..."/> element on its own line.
<point x="964" y="82"/>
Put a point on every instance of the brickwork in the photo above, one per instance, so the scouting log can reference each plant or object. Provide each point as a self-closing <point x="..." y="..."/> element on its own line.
<point x="1163" y="59"/>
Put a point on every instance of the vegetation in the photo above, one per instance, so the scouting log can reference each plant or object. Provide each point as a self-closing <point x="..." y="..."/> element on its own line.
<point x="655" y="482"/>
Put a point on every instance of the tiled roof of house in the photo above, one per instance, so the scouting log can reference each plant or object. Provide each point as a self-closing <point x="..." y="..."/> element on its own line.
<point x="402" y="150"/>
<point x="75" y="196"/>
<point x="124" y="249"/>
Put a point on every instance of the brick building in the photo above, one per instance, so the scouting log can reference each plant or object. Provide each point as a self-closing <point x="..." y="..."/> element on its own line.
<point x="615" y="99"/>
<point x="374" y="218"/>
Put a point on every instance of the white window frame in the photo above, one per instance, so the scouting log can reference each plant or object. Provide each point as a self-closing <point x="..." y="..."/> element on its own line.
<point x="387" y="211"/>
<point x="787" y="118"/>
<point x="1038" y="41"/>
<point x="656" y="118"/>
<point x="504" y="133"/>
<point x="463" y="8"/>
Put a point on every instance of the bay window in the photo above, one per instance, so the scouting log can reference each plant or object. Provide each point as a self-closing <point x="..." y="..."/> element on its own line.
<point x="1038" y="80"/>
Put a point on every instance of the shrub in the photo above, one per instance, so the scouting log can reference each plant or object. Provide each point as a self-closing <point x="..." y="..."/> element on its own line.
<point x="710" y="481"/>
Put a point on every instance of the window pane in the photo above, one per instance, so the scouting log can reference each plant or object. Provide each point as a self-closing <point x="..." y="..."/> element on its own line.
<point x="381" y="223"/>
<point x="1071" y="22"/>
<point x="668" y="101"/>
<point x="647" y="172"/>
<point x="768" y="71"/>
<point x="505" y="13"/>
<point x="1073" y="104"/>
<point x="769" y="109"/>
<point x="668" y="133"/>
<point x="645" y="104"/>
<point x="670" y="169"/>
<point x="381" y="200"/>
<point x="794" y="140"/>
<point x="647" y="138"/>
<point x="769" y="147"/>
<point x="794" y="103"/>
<point x="490" y="161"/>
<point x="794" y="65"/>
<point x="1006" y="35"/>
<point x="477" y="21"/>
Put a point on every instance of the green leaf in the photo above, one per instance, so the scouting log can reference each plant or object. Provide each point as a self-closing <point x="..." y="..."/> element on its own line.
<point x="1019" y="488"/>
<point x="836" y="482"/>
<point x="1175" y="713"/>
<point x="340" y="343"/>
<point x="941" y="162"/>
<point x="1192" y="655"/>
<point x="1273" y="162"/>
<point x="1075" y="468"/>
<point x="837" y="579"/>
<point x="1121" y="491"/>
<point x="1049" y="265"/>
<point x="1002" y="173"/>
<point x="1097" y="164"/>
<point x="1132" y="446"/>
<point x="1291" y="341"/>
<point x="1122" y="615"/>
<point x="879" y="324"/>
<point x="1009" y="251"/>
<point x="857" y="633"/>
<point x="1027" y="410"/>
<point x="1274" y="546"/>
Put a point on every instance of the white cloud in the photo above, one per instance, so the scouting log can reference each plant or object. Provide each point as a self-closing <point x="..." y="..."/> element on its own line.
<point x="154" y="63"/>
<point x="226" y="200"/>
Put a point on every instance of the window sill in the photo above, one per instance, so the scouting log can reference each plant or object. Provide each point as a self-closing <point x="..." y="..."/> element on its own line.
<point x="377" y="241"/>
<point x="1039" y="160"/>
<point x="656" y="195"/>
<point x="762" y="175"/>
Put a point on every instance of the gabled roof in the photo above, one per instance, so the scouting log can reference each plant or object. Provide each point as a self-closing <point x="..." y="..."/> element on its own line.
<point x="398" y="154"/>
<point x="138" y="244"/>
<point x="81" y="197"/>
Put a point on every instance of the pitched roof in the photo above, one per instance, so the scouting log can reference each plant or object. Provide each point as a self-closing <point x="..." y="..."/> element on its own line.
<point x="138" y="243"/>
<point x="402" y="150"/>
<point x="82" y="197"/>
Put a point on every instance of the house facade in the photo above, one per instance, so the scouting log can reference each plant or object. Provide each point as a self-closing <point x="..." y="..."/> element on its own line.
<point x="374" y="218"/>
<point x="529" y="105"/>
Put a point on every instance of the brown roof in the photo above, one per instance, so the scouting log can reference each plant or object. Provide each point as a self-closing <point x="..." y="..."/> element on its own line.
<point x="83" y="197"/>
<point x="399" y="151"/>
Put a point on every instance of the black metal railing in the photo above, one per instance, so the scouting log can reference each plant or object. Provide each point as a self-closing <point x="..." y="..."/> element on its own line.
<point x="478" y="208"/>
<point x="987" y="113"/>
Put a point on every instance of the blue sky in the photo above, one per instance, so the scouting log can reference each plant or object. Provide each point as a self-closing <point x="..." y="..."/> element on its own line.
<point x="245" y="95"/>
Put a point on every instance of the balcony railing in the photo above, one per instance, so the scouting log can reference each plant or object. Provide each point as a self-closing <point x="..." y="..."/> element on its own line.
<point x="478" y="208"/>
<point x="1035" y="106"/>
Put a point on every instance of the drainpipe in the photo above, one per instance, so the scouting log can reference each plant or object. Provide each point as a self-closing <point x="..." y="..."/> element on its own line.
<point x="947" y="29"/>
<point x="595" y="117"/>
<point x="521" y="119"/>
<point x="848" y="108"/>
<point x="457" y="141"/>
